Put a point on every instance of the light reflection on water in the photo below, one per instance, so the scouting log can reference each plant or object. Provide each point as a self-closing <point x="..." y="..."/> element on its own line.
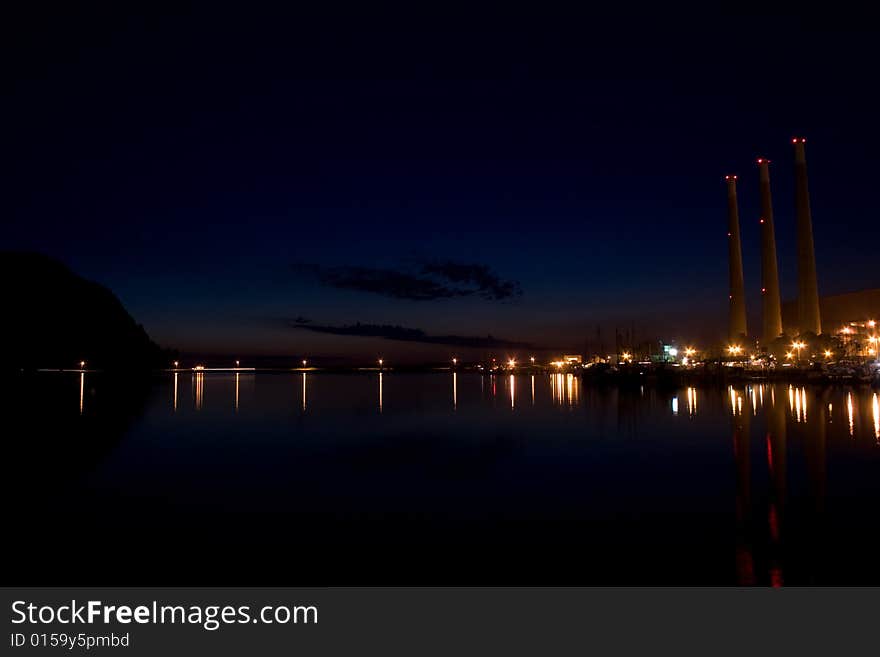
<point x="565" y="389"/>
<point x="875" y="406"/>
<point x="746" y="478"/>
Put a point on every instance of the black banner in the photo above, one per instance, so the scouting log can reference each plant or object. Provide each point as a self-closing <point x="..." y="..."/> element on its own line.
<point x="415" y="621"/>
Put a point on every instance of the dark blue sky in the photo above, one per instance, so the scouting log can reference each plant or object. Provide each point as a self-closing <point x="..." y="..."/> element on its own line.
<point x="223" y="171"/>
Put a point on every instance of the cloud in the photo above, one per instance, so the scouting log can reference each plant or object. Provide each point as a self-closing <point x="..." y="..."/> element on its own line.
<point x="404" y="334"/>
<point x="432" y="280"/>
<point x="481" y="279"/>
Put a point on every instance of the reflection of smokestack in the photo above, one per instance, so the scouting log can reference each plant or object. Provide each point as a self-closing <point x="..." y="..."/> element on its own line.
<point x="776" y="461"/>
<point x="771" y="306"/>
<point x="808" y="289"/>
<point x="745" y="565"/>
<point x="737" y="288"/>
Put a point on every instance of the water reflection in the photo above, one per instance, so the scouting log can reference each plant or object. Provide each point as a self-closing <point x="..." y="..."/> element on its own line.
<point x="776" y="465"/>
<point x="198" y="389"/>
<point x="745" y="566"/>
<point x="797" y="401"/>
<point x="717" y="485"/>
<point x="761" y="552"/>
<point x="875" y="405"/>
<point x="736" y="401"/>
<point x="565" y="389"/>
<point x="849" y="413"/>
<point x="692" y="401"/>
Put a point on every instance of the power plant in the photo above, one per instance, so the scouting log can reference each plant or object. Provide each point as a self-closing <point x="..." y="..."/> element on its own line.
<point x="737" y="287"/>
<point x="809" y="320"/>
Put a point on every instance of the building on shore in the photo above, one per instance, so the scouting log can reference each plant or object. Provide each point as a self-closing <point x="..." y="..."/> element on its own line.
<point x="853" y="318"/>
<point x="837" y="311"/>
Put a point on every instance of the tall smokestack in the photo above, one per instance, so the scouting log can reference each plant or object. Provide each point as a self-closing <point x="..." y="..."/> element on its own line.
<point x="771" y="303"/>
<point x="808" y="288"/>
<point x="737" y="288"/>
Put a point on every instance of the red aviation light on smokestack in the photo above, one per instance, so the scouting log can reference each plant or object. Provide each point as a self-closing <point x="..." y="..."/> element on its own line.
<point x="763" y="160"/>
<point x="798" y="140"/>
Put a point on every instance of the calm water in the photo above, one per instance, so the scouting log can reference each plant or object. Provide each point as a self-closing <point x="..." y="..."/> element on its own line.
<point x="437" y="479"/>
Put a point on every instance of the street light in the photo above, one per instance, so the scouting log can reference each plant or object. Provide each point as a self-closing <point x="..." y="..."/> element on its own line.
<point x="236" y="363"/>
<point x="734" y="350"/>
<point x="532" y="359"/>
<point x="454" y="362"/>
<point x="626" y="356"/>
<point x="304" y="362"/>
<point x="82" y="364"/>
<point x="380" y="363"/>
<point x="176" y="364"/>
<point x="511" y="363"/>
<point x="797" y="346"/>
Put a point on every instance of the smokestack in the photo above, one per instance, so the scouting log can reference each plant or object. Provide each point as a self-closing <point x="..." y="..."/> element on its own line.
<point x="808" y="288"/>
<point x="771" y="303"/>
<point x="737" y="288"/>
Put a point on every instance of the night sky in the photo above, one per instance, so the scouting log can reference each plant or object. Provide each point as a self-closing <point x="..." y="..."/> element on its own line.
<point x="256" y="183"/>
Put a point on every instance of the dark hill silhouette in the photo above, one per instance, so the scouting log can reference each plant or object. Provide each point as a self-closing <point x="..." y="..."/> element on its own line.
<point x="54" y="318"/>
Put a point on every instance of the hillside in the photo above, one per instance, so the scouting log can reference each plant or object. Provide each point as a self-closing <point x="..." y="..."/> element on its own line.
<point x="55" y="318"/>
